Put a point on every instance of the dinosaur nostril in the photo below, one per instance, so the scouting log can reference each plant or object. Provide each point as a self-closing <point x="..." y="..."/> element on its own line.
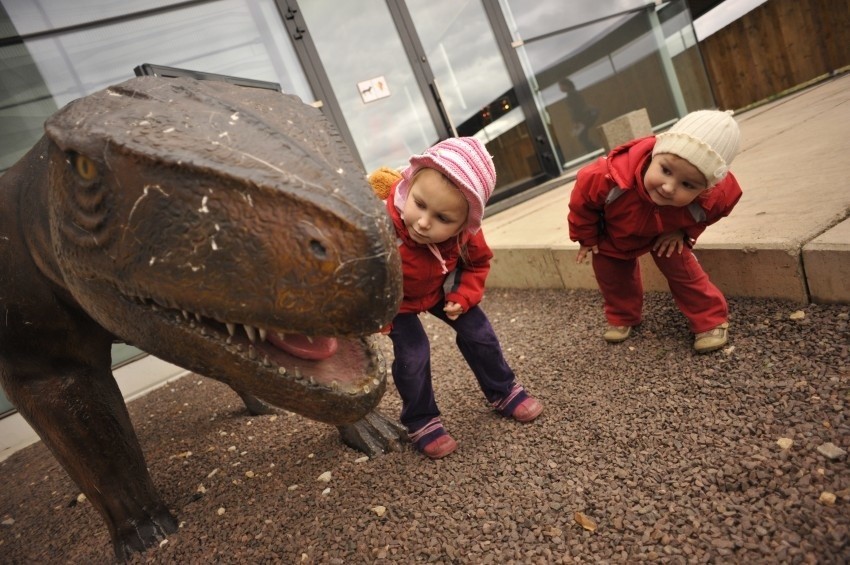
<point x="318" y="249"/>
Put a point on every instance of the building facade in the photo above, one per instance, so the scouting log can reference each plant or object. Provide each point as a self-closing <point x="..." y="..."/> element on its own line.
<point x="532" y="79"/>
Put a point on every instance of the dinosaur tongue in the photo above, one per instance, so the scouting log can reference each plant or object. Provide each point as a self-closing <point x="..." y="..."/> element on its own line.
<point x="311" y="348"/>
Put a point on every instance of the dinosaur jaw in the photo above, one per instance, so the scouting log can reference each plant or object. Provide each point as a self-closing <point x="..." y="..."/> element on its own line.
<point x="337" y="389"/>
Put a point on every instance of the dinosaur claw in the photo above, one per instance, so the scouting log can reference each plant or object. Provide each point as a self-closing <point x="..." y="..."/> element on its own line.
<point x="373" y="435"/>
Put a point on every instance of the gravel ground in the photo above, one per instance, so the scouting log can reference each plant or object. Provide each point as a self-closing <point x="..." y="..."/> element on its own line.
<point x="669" y="456"/>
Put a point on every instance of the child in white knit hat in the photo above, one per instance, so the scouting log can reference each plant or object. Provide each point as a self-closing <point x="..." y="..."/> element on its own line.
<point x="657" y="194"/>
<point x="437" y="206"/>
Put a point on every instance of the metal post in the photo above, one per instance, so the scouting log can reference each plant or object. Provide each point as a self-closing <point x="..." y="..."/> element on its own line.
<point x="666" y="60"/>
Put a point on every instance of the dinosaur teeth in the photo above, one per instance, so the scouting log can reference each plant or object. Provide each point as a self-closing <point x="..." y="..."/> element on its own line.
<point x="195" y="321"/>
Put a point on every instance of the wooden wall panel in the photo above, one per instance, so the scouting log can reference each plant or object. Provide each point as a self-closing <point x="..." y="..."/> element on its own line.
<point x="777" y="46"/>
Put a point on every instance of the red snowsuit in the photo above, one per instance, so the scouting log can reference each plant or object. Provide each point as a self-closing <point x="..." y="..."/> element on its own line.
<point x="610" y="208"/>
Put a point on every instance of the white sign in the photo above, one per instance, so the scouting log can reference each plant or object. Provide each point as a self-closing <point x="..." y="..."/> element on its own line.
<point x="373" y="89"/>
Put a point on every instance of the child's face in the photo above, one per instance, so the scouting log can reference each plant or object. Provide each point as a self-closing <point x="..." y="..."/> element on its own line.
<point x="673" y="181"/>
<point x="435" y="209"/>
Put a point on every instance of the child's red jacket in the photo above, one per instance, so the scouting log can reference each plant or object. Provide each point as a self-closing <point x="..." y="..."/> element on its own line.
<point x="467" y="263"/>
<point x="610" y="208"/>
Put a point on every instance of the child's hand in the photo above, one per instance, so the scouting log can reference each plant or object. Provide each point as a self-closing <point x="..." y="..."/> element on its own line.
<point x="666" y="243"/>
<point x="582" y="252"/>
<point x="453" y="310"/>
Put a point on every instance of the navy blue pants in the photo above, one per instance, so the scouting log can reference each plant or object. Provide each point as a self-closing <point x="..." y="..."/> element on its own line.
<point x="411" y="368"/>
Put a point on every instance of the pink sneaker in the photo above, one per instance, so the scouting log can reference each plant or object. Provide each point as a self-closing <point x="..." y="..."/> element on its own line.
<point x="528" y="410"/>
<point x="440" y="447"/>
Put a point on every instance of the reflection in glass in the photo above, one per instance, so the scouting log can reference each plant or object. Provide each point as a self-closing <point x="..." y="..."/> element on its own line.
<point x="590" y="74"/>
<point x="47" y="72"/>
<point x="474" y="83"/>
<point x="534" y="18"/>
<point x="123" y="354"/>
<point x="235" y="35"/>
<point x="25" y="102"/>
<point x="34" y="16"/>
<point x="387" y="127"/>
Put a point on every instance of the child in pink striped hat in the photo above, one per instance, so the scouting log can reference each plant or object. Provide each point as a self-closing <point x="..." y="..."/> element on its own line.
<point x="437" y="206"/>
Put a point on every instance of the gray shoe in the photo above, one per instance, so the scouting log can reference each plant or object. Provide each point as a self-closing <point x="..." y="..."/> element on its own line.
<point x="712" y="340"/>
<point x="616" y="334"/>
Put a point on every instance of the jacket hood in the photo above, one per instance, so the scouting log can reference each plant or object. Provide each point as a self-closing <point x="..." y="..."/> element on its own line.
<point x="626" y="163"/>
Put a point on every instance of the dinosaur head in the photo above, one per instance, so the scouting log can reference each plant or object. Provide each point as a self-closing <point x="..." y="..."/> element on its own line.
<point x="195" y="219"/>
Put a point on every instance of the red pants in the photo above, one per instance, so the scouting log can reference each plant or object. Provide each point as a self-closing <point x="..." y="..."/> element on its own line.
<point x="700" y="301"/>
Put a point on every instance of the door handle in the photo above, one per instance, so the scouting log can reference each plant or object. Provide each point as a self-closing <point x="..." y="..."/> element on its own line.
<point x="447" y="120"/>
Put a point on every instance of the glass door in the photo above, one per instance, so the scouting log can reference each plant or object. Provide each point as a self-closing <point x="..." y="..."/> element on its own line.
<point x="474" y="84"/>
<point x="421" y="71"/>
<point x="381" y="97"/>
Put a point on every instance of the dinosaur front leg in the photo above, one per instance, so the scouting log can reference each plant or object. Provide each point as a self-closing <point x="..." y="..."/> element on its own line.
<point x="81" y="416"/>
<point x="255" y="406"/>
<point x="374" y="435"/>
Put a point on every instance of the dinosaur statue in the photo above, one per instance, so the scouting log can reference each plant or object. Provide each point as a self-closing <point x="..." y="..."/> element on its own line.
<point x="224" y="229"/>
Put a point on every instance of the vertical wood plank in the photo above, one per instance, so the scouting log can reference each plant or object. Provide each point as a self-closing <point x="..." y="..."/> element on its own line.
<point x="779" y="45"/>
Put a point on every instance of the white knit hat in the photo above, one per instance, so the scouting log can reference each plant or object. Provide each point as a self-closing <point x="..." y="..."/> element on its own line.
<point x="464" y="161"/>
<point x="707" y="139"/>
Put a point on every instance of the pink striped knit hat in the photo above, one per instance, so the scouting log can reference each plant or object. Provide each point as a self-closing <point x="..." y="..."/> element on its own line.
<point x="465" y="162"/>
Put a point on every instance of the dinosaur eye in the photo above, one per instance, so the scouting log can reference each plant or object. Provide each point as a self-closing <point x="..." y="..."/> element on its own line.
<point x="318" y="249"/>
<point x="85" y="167"/>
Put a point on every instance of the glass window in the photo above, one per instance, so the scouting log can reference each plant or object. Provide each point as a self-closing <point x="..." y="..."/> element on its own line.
<point x="242" y="38"/>
<point x="682" y="47"/>
<point x="123" y="354"/>
<point x="462" y="53"/>
<point x="25" y="102"/>
<point x="475" y="84"/>
<point x="237" y="41"/>
<point x="372" y="79"/>
<point x="5" y="406"/>
<point x="34" y="16"/>
<point x="587" y="75"/>
<point x="539" y="17"/>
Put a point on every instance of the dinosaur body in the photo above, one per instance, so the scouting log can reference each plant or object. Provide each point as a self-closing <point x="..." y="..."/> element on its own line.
<point x="200" y="222"/>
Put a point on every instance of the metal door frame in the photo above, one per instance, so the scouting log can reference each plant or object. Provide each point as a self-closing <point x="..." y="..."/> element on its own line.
<point x="326" y="100"/>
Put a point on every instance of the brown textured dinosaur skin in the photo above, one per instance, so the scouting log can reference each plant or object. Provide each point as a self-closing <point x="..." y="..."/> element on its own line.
<point x="157" y="200"/>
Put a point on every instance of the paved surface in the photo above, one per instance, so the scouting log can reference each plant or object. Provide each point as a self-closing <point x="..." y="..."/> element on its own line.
<point x="645" y="452"/>
<point x="788" y="237"/>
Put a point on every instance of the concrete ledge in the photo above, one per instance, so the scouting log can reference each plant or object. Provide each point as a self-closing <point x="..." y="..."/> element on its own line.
<point x="524" y="268"/>
<point x="762" y="272"/>
<point x="826" y="260"/>
<point x="573" y="275"/>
